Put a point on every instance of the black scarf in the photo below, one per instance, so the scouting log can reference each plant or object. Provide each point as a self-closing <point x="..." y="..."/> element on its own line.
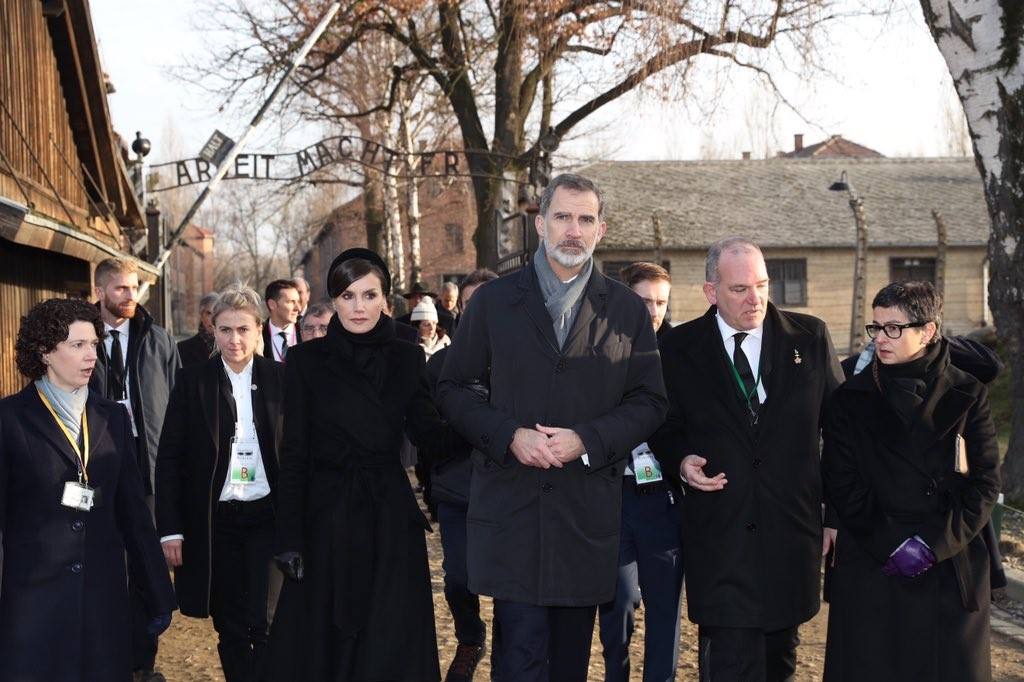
<point x="905" y="386"/>
<point x="366" y="351"/>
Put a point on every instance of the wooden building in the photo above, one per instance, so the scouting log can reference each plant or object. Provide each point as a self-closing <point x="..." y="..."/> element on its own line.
<point x="66" y="197"/>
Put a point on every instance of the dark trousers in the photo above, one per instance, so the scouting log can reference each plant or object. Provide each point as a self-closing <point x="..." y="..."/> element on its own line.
<point x="542" y="643"/>
<point x="243" y="548"/>
<point x="747" y="654"/>
<point x="464" y="605"/>
<point x="651" y="567"/>
<point x="144" y="645"/>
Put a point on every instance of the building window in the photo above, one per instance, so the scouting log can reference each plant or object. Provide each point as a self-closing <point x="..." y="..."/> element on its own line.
<point x="788" y="281"/>
<point x="912" y="270"/>
<point x="613" y="268"/>
<point x="453" y="238"/>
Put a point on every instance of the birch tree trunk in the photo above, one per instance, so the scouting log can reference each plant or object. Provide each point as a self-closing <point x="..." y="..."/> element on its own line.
<point x="412" y="192"/>
<point x="981" y="42"/>
<point x="392" y="210"/>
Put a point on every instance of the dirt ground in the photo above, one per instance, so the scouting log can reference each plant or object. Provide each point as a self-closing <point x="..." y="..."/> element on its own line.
<point x="188" y="651"/>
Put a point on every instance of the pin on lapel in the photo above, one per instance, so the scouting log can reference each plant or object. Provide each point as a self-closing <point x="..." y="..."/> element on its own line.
<point x="796" y="357"/>
<point x="253" y="387"/>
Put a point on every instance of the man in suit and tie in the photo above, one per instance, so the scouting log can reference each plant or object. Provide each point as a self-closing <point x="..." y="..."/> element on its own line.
<point x="282" y="330"/>
<point x="747" y="386"/>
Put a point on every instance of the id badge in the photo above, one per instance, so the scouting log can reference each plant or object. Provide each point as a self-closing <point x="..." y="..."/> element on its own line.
<point x="77" y="496"/>
<point x="243" y="462"/>
<point x="131" y="417"/>
<point x="645" y="465"/>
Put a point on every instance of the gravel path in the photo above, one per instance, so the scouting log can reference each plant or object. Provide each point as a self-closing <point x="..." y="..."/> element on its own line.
<point x="188" y="651"/>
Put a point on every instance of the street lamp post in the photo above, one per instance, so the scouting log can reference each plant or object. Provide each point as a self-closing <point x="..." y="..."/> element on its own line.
<point x="860" y="262"/>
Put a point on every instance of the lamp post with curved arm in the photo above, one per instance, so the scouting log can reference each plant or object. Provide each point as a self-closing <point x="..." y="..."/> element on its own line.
<point x="860" y="262"/>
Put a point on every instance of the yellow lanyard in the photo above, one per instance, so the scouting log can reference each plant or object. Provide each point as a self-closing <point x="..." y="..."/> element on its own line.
<point x="83" y="461"/>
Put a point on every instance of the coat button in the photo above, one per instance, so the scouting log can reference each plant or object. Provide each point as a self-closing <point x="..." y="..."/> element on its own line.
<point x="77" y="525"/>
<point x="929" y="491"/>
<point x="752" y="527"/>
<point x="485" y="439"/>
<point x="76" y="567"/>
<point x="560" y="367"/>
<point x="757" y="462"/>
<point x="547" y="487"/>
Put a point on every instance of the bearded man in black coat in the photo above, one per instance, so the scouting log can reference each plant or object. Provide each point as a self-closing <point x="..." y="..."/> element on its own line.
<point x="747" y="386"/>
<point x="570" y="360"/>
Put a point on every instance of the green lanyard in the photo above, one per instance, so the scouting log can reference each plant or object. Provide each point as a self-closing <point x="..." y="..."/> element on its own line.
<point x="743" y="389"/>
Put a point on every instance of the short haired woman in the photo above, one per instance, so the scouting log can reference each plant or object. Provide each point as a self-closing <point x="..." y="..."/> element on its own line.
<point x="216" y="479"/>
<point x="358" y="604"/>
<point x="71" y="506"/>
<point x="911" y="467"/>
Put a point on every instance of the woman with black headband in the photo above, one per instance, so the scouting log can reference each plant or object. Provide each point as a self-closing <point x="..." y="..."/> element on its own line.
<point x="911" y="466"/>
<point x="358" y="604"/>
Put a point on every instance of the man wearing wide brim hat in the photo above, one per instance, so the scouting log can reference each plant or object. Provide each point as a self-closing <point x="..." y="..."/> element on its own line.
<point x="416" y="293"/>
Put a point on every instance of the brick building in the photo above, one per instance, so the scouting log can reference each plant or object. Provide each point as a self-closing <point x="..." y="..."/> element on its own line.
<point x="447" y="222"/>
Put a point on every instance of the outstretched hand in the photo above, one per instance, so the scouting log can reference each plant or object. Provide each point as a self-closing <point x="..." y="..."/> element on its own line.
<point x="692" y="471"/>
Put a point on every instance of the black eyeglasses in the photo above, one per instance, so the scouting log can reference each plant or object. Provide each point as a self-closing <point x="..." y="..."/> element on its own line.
<point x="893" y="331"/>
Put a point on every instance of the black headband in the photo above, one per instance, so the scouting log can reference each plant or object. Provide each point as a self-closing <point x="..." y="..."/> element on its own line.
<point x="361" y="254"/>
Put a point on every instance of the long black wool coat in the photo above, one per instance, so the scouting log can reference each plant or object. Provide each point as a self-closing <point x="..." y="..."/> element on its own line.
<point x="192" y="463"/>
<point x="364" y="610"/>
<point x="550" y="536"/>
<point x="752" y="549"/>
<point x="888" y="481"/>
<point x="64" y="611"/>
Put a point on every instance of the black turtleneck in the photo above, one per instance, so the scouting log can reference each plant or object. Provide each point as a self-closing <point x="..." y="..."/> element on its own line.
<point x="906" y="385"/>
<point x="366" y="351"/>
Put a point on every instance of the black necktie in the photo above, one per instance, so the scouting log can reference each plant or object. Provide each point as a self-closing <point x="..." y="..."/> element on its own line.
<point x="739" y="359"/>
<point x="115" y="383"/>
<point x="284" y="344"/>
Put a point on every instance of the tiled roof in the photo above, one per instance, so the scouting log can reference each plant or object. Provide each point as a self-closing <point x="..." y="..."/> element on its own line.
<point x="787" y="203"/>
<point x="834" y="146"/>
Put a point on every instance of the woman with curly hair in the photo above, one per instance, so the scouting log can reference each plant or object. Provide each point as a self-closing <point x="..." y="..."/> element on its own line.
<point x="71" y="506"/>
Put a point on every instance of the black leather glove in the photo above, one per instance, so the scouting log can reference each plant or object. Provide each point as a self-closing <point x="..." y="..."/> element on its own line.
<point x="290" y="564"/>
<point x="158" y="624"/>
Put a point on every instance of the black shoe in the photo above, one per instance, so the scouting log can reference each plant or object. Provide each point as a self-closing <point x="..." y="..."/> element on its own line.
<point x="148" y="676"/>
<point x="467" y="656"/>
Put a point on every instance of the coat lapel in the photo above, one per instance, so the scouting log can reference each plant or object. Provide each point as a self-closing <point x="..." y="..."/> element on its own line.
<point x="97" y="426"/>
<point x="594" y="298"/>
<point x="942" y="411"/>
<point x="529" y="290"/>
<point x="781" y="345"/>
<point x="710" y="359"/>
<point x="208" y="397"/>
<point x="42" y="421"/>
<point x="264" y="409"/>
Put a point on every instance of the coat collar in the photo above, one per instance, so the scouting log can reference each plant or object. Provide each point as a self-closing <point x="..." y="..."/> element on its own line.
<point x="42" y="421"/>
<point x="595" y="296"/>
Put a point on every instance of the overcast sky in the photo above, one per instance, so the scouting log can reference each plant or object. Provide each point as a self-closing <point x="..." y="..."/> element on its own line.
<point x="890" y="91"/>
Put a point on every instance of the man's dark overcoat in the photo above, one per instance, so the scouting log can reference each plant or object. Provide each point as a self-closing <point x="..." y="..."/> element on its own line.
<point x="550" y="536"/>
<point x="364" y="610"/>
<point x="152" y="363"/>
<point x="887" y="482"/>
<point x="195" y="350"/>
<point x="64" y="611"/>
<point x="753" y="549"/>
<point x="193" y="459"/>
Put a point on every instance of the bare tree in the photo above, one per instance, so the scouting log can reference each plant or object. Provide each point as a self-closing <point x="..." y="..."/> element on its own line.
<point x="981" y="41"/>
<point x="496" y="61"/>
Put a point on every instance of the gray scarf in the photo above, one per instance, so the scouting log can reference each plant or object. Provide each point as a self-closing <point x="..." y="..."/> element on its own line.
<point x="68" y="405"/>
<point x="562" y="299"/>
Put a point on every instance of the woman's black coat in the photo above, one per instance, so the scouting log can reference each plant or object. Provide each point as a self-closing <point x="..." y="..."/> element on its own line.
<point x="64" y="611"/>
<point x="192" y="462"/>
<point x="888" y="482"/>
<point x="364" y="610"/>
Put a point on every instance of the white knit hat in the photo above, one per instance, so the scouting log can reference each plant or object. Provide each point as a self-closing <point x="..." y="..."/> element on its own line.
<point x="424" y="310"/>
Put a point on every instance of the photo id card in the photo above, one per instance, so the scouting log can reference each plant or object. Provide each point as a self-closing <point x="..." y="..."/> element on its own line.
<point x="77" y="496"/>
<point x="645" y="465"/>
<point x="244" y="460"/>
